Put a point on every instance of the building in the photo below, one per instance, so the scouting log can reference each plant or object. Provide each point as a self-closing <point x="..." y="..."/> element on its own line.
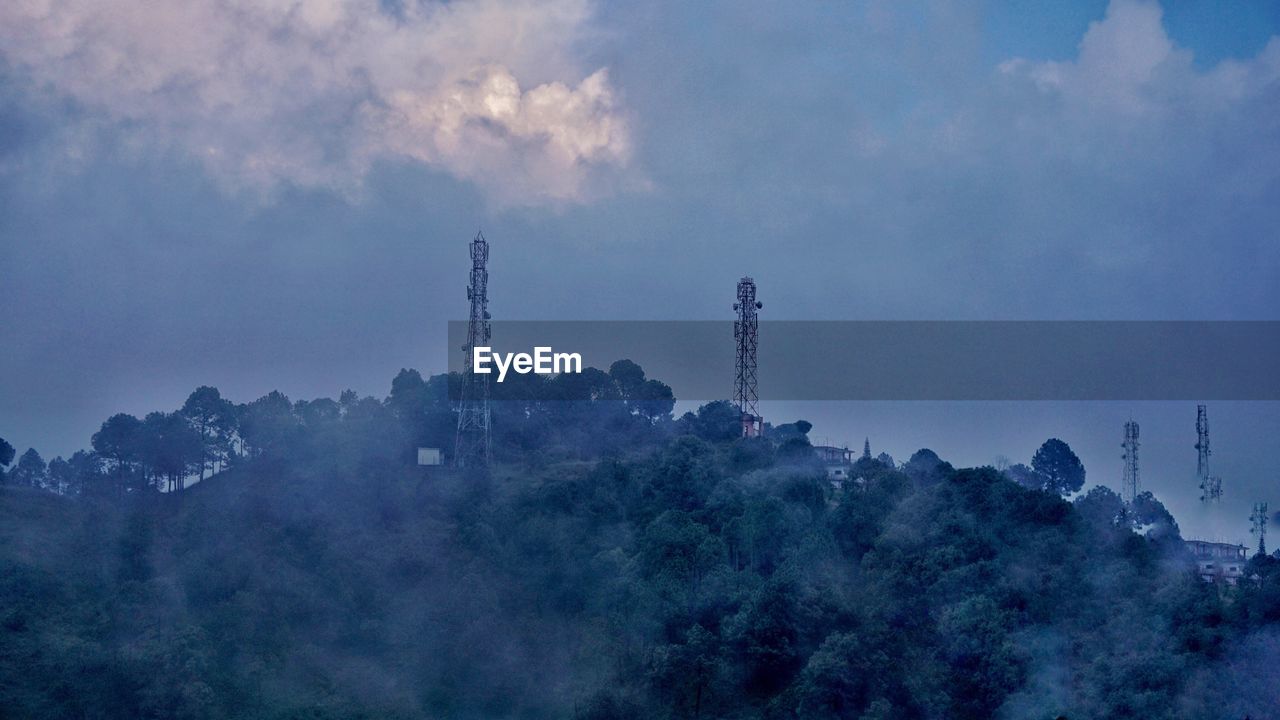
<point x="1218" y="562"/>
<point x="429" y="456"/>
<point x="836" y="461"/>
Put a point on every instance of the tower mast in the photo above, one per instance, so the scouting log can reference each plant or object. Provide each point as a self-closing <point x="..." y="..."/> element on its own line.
<point x="1130" y="482"/>
<point x="1210" y="486"/>
<point x="1259" y="520"/>
<point x="745" y="332"/>
<point x="473" y="447"/>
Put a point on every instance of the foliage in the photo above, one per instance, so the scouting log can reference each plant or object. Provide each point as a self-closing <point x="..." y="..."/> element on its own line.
<point x="30" y="470"/>
<point x="1058" y="468"/>
<point x="614" y="563"/>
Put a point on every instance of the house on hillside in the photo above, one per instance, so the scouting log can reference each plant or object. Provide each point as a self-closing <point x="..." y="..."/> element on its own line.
<point x="836" y="461"/>
<point x="1218" y="562"/>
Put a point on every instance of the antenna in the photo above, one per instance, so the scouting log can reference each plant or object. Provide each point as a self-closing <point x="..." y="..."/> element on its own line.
<point x="473" y="443"/>
<point x="1210" y="485"/>
<point x="1129" y="484"/>
<point x="1259" y="520"/>
<point x="745" y="332"/>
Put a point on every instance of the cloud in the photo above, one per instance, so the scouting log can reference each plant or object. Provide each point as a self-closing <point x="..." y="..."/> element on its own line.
<point x="312" y="93"/>
<point x="1128" y="65"/>
<point x="1128" y="158"/>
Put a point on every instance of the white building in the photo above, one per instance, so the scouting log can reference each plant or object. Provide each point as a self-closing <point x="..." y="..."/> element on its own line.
<point x="1218" y="562"/>
<point x="836" y="461"/>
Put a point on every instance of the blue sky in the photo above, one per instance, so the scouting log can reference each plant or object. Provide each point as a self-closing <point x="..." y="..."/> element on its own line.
<point x="280" y="197"/>
<point x="1214" y="31"/>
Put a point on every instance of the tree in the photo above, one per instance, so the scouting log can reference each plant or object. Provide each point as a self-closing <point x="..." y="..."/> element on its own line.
<point x="1059" y="469"/>
<point x="6" y="453"/>
<point x="925" y="468"/>
<point x="796" y="449"/>
<point x="627" y="376"/>
<point x="268" y="425"/>
<point x="1150" y="515"/>
<point x="213" y="419"/>
<point x="85" y="473"/>
<point x="1101" y="507"/>
<point x="30" y="471"/>
<point x="653" y="400"/>
<point x="676" y="552"/>
<point x="717" y="421"/>
<point x="61" y="476"/>
<point x="687" y="671"/>
<point x="423" y="409"/>
<point x="6" y="457"/>
<point x="171" y="449"/>
<point x="119" y="440"/>
<point x="650" y="399"/>
<point x="844" y="676"/>
<point x="1023" y="475"/>
<point x="983" y="664"/>
<point x="751" y="453"/>
<point x="781" y="433"/>
<point x="767" y="634"/>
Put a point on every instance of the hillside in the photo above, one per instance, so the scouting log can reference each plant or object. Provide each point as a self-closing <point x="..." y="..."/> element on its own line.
<point x="677" y="572"/>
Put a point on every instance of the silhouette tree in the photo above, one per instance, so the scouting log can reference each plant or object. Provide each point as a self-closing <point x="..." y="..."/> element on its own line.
<point x="423" y="408"/>
<point x="213" y="419"/>
<point x="268" y="424"/>
<point x="654" y="400"/>
<point x="6" y="453"/>
<point x="1151" y="515"/>
<point x="925" y="468"/>
<point x="120" y="442"/>
<point x="61" y="476"/>
<point x="781" y="432"/>
<point x="85" y="473"/>
<point x="30" y="471"/>
<point x="627" y="376"/>
<point x="1059" y="469"/>
<point x="171" y="449"/>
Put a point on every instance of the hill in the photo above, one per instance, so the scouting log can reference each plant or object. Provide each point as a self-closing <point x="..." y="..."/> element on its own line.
<point x="596" y="572"/>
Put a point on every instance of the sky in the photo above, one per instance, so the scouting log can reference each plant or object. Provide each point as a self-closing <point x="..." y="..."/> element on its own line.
<point x="278" y="195"/>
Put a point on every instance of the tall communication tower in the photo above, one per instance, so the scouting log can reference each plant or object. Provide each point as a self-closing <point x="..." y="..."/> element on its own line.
<point x="745" y="332"/>
<point x="1259" y="520"/>
<point x="1210" y="485"/>
<point x="473" y="445"/>
<point x="1130" y="445"/>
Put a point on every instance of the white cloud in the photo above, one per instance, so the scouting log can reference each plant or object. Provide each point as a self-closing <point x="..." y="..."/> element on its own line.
<point x="1128" y="66"/>
<point x="311" y="92"/>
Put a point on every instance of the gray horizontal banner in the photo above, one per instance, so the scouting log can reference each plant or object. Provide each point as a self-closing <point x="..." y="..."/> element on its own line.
<point x="917" y="360"/>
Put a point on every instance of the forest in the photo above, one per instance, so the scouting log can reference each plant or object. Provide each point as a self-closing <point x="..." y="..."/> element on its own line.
<point x="290" y="560"/>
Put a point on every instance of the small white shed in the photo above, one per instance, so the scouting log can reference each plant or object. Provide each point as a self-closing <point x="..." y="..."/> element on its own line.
<point x="429" y="456"/>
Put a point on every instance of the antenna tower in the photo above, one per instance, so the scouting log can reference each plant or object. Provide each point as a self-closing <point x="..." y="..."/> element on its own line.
<point x="1259" y="519"/>
<point x="1130" y="483"/>
<point x="745" y="330"/>
<point x="1210" y="486"/>
<point x="473" y="445"/>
